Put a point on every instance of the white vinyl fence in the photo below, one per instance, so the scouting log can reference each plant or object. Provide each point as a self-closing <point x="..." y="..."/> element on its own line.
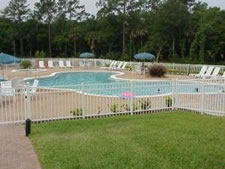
<point x="87" y="101"/>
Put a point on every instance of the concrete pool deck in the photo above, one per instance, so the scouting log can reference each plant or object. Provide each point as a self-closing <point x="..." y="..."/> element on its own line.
<point x="11" y="75"/>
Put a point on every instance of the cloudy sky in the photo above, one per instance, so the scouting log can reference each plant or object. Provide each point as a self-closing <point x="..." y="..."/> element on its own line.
<point x="91" y="8"/>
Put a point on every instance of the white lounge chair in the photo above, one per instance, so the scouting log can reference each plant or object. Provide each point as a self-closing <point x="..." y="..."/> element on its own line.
<point x="81" y="64"/>
<point x="111" y="65"/>
<point x="33" y="88"/>
<point x="201" y="73"/>
<point x="114" y="65"/>
<point x="215" y="72"/>
<point x="124" y="66"/>
<point x="68" y="64"/>
<point x="119" y="65"/>
<point x="208" y="72"/>
<point x="7" y="89"/>
<point x="50" y="64"/>
<point x="41" y="64"/>
<point x="61" y="64"/>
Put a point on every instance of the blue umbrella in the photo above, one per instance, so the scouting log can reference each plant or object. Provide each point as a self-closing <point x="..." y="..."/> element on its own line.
<point x="87" y="55"/>
<point x="8" y="59"/>
<point x="144" y="56"/>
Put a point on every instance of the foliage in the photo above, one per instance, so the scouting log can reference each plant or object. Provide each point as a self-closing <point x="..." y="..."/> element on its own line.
<point x="39" y="54"/>
<point x="145" y="104"/>
<point x="26" y="64"/>
<point x="114" y="108"/>
<point x="157" y="70"/>
<point x="150" y="141"/>
<point x="168" y="100"/>
<point x="183" y="31"/>
<point x="77" y="112"/>
<point x="129" y="67"/>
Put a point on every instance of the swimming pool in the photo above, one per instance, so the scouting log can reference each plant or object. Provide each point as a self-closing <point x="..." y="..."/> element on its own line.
<point x="105" y="83"/>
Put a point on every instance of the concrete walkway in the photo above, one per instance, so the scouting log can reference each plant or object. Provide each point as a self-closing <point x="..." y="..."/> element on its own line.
<point x="16" y="151"/>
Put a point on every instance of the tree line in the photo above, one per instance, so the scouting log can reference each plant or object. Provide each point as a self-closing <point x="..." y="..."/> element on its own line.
<point x="173" y="30"/>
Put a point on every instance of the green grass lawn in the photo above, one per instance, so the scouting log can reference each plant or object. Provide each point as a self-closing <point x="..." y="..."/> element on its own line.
<point x="174" y="140"/>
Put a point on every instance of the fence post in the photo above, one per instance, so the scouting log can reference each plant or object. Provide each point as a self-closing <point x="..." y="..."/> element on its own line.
<point x="174" y="84"/>
<point x="82" y="100"/>
<point x="203" y="97"/>
<point x="131" y="99"/>
<point x="27" y="109"/>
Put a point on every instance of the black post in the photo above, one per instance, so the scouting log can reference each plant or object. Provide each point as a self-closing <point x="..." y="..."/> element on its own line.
<point x="27" y="127"/>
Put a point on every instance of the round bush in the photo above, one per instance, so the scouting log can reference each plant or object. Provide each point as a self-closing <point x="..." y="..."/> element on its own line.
<point x="157" y="70"/>
<point x="26" y="64"/>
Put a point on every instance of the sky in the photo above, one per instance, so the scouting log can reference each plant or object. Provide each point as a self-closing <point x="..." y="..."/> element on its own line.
<point x="91" y="7"/>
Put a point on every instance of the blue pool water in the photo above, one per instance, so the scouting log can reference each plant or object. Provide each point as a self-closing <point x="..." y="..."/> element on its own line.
<point x="101" y="83"/>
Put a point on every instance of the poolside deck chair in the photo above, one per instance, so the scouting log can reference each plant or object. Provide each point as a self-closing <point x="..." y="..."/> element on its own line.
<point x="41" y="64"/>
<point x="7" y="89"/>
<point x="201" y="73"/>
<point x="68" y="64"/>
<point x="215" y="72"/>
<point x="61" y="64"/>
<point x="50" y="64"/>
<point x="114" y="65"/>
<point x="119" y="66"/>
<point x="33" y="88"/>
<point x="81" y="64"/>
<point x="124" y="66"/>
<point x="208" y="72"/>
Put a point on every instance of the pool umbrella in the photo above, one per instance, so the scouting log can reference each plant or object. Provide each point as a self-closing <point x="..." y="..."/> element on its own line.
<point x="8" y="59"/>
<point x="144" y="56"/>
<point x="87" y="55"/>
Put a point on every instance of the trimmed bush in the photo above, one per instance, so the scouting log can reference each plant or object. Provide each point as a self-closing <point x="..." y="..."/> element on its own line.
<point x="157" y="70"/>
<point x="26" y="64"/>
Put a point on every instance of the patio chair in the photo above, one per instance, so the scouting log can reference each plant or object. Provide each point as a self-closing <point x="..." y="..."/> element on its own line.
<point x="208" y="72"/>
<point x="114" y="65"/>
<point x="50" y="64"/>
<point x="119" y="66"/>
<point x="111" y="65"/>
<point x="138" y="69"/>
<point x="81" y="64"/>
<point x="201" y="73"/>
<point x="41" y="64"/>
<point x="68" y="64"/>
<point x="215" y="73"/>
<point x="61" y="64"/>
<point x="124" y="66"/>
<point x="7" y="89"/>
<point x="33" y="88"/>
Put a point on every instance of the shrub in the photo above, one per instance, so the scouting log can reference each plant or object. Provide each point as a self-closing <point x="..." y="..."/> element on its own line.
<point x="157" y="70"/>
<point x="169" y="101"/>
<point x="77" y="112"/>
<point x="39" y="54"/>
<point x="129" y="67"/>
<point x="25" y="64"/>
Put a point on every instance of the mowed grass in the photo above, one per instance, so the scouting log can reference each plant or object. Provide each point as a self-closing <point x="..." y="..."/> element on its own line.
<point x="172" y="140"/>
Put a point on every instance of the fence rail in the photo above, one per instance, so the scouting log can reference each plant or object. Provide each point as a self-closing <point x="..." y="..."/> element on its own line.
<point x="84" y="101"/>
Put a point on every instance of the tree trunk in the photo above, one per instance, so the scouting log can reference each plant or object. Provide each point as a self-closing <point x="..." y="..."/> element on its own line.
<point x="49" y="40"/>
<point x="158" y="55"/>
<point x="124" y="39"/>
<point x="21" y="46"/>
<point x="173" y="47"/>
<point x="75" y="47"/>
<point x="124" y="30"/>
<point x="14" y="47"/>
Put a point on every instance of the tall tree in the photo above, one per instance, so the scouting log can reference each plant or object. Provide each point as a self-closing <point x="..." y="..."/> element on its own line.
<point x="17" y="11"/>
<point x="122" y="8"/>
<point x="45" y="10"/>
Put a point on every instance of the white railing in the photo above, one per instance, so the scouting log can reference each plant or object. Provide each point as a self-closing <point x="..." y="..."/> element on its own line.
<point x="85" y="101"/>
